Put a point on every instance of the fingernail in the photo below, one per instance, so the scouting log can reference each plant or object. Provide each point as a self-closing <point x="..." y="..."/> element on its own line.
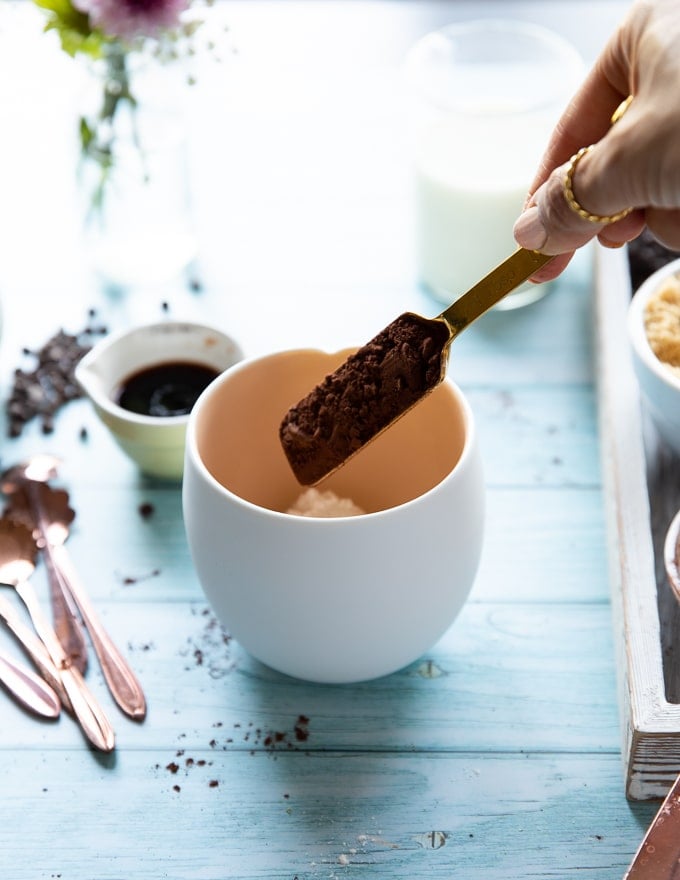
<point x="529" y="231"/>
<point x="606" y="242"/>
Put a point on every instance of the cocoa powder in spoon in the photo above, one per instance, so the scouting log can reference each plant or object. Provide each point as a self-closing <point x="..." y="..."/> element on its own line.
<point x="373" y="387"/>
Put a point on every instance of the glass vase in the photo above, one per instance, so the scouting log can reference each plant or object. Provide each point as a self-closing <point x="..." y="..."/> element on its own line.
<point x="134" y="175"/>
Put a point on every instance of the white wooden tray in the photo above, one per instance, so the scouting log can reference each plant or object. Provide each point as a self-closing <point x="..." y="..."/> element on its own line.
<point x="642" y="492"/>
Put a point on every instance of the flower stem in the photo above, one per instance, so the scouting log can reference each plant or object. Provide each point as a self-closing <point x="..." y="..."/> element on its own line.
<point x="97" y="134"/>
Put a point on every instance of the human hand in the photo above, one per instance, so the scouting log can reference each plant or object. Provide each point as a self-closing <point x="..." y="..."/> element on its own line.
<point x="632" y="164"/>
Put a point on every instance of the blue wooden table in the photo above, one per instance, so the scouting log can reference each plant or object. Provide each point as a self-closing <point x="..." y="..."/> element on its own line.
<point x="497" y="755"/>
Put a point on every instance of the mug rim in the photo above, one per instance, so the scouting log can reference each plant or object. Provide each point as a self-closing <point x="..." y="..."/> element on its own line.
<point x="193" y="456"/>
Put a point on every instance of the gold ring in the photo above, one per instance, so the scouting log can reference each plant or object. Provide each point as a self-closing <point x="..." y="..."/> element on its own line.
<point x="621" y="109"/>
<point x="568" y="187"/>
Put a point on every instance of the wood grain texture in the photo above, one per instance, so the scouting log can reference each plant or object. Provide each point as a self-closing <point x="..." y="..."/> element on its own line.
<point x="318" y="816"/>
<point x="497" y="660"/>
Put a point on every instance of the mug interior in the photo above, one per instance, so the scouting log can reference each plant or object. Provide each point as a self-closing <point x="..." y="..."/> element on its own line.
<point x="236" y="428"/>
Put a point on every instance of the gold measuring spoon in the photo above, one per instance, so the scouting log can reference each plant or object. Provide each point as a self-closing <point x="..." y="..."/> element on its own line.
<point x="17" y="563"/>
<point x="28" y="688"/>
<point x="25" y="478"/>
<point x="392" y="373"/>
<point x="388" y="376"/>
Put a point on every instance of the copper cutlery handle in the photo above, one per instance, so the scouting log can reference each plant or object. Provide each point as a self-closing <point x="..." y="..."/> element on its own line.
<point x="28" y="688"/>
<point x="658" y="855"/>
<point x="121" y="680"/>
<point x="67" y="625"/>
<point x="87" y="710"/>
<point x="35" y="649"/>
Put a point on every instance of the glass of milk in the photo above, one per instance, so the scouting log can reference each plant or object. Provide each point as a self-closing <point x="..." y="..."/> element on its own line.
<point x="487" y="94"/>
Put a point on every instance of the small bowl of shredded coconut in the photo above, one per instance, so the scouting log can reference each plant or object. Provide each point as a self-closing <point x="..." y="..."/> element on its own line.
<point x="654" y="333"/>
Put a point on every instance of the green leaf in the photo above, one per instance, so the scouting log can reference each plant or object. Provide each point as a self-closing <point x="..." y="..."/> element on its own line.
<point x="86" y="134"/>
<point x="73" y="26"/>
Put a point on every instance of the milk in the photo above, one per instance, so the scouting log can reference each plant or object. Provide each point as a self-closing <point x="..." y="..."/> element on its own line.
<point x="486" y="97"/>
<point x="470" y="183"/>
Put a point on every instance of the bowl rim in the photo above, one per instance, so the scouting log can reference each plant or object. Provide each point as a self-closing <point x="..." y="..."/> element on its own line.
<point x="636" y="328"/>
<point x="114" y="410"/>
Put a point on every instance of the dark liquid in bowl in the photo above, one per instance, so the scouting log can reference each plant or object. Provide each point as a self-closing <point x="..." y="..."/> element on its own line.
<point x="169" y="389"/>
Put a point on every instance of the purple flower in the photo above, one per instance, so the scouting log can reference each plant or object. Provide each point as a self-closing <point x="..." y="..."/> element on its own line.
<point x="132" y="18"/>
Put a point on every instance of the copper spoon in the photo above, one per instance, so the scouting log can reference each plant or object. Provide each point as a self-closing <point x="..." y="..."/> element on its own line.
<point x="26" y="479"/>
<point x="35" y="649"/>
<point x="658" y="855"/>
<point x="55" y="518"/>
<point x="17" y="563"/>
<point x="28" y="688"/>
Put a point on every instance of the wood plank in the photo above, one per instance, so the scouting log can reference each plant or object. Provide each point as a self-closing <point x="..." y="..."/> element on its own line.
<point x="283" y="814"/>
<point x="505" y="677"/>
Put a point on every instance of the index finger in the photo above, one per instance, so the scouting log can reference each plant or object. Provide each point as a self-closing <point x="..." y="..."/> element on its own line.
<point x="585" y="120"/>
<point x="588" y="116"/>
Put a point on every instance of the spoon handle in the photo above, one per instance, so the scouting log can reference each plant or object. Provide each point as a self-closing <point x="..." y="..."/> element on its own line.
<point x="29" y="689"/>
<point x="121" y="680"/>
<point x="35" y="649"/>
<point x="90" y="715"/>
<point x="492" y="288"/>
<point x="67" y="625"/>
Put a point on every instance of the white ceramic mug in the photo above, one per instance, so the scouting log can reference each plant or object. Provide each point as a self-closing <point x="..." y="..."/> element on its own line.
<point x="331" y="600"/>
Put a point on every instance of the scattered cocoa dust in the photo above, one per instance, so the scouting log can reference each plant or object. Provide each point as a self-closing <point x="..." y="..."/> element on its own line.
<point x="256" y="737"/>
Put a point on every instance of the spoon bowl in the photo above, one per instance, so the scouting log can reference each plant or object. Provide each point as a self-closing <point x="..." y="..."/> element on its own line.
<point x="27" y="485"/>
<point x="18" y="551"/>
<point x="50" y="511"/>
<point x="38" y="468"/>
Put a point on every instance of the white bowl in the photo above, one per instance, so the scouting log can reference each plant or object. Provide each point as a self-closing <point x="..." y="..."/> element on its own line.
<point x="331" y="600"/>
<point x="155" y="443"/>
<point x="659" y="387"/>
